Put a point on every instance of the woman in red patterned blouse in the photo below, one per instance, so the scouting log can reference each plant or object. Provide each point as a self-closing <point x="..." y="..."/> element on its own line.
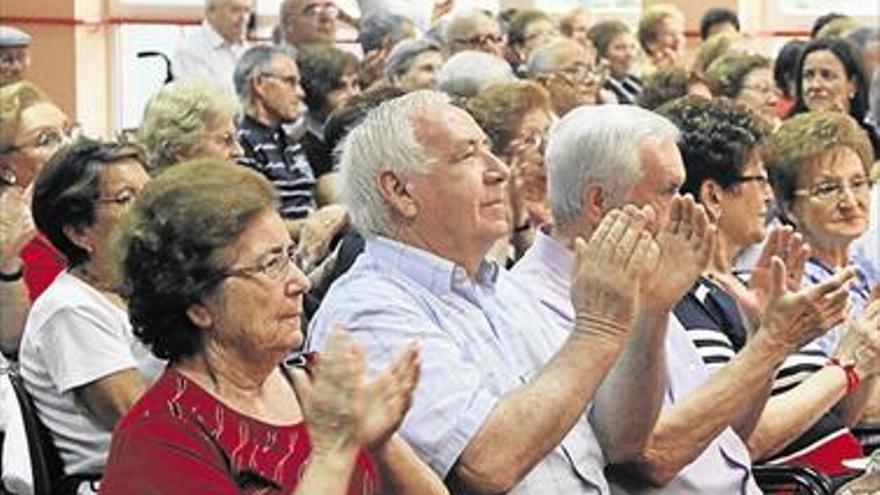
<point x="213" y="289"/>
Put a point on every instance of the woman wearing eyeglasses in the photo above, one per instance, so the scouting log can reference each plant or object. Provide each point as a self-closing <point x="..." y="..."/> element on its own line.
<point x="79" y="359"/>
<point x="806" y="417"/>
<point x="31" y="129"/>
<point x="213" y="289"/>
<point x="747" y="79"/>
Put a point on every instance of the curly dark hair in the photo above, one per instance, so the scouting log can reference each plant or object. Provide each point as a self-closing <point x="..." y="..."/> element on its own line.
<point x="173" y="246"/>
<point x="717" y="138"/>
<point x="321" y="69"/>
<point x="664" y="85"/>
<point x="67" y="190"/>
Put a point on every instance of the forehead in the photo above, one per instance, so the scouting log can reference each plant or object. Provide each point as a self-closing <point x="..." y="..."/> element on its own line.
<point x="40" y="115"/>
<point x="823" y="58"/>
<point x="125" y="172"/>
<point x="265" y="231"/>
<point x="661" y="162"/>
<point x="539" y="24"/>
<point x="568" y="54"/>
<point x="232" y="4"/>
<point x="428" y="56"/>
<point x="443" y="129"/>
<point x="840" y="162"/>
<point x="760" y="73"/>
<point x="284" y="64"/>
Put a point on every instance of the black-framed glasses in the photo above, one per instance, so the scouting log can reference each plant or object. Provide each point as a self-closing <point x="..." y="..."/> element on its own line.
<point x="832" y="190"/>
<point x="275" y="266"/>
<point x="761" y="180"/>
<point x="581" y="72"/>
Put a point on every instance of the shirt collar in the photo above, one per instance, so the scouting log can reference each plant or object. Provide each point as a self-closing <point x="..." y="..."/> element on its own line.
<point x="438" y="275"/>
<point x="215" y="40"/>
<point x="553" y="254"/>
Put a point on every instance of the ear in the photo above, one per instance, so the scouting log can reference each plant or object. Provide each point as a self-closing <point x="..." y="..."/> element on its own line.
<point x="199" y="315"/>
<point x="256" y="83"/>
<point x="80" y="237"/>
<point x="594" y="204"/>
<point x="710" y="197"/>
<point x="397" y="193"/>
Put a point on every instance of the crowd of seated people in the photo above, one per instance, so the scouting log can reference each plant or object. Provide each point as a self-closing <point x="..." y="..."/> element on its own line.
<point x="465" y="251"/>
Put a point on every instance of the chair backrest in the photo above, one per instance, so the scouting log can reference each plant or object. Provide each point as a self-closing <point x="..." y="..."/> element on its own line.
<point x="45" y="461"/>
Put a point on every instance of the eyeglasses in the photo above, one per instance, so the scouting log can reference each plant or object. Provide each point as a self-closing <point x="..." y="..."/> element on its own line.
<point x="762" y="180"/>
<point x="49" y="139"/>
<point x="9" y="57"/>
<point x="550" y="33"/>
<point x="827" y="191"/>
<point x="316" y="9"/>
<point x="292" y="81"/>
<point x="122" y="198"/>
<point x="275" y="267"/>
<point x="481" y="40"/>
<point x="533" y="140"/>
<point x="766" y="89"/>
<point x="581" y="72"/>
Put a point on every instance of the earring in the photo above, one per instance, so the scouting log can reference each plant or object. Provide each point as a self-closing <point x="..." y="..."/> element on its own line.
<point x="8" y="177"/>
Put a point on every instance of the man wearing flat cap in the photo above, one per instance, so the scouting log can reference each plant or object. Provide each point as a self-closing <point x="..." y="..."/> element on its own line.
<point x="14" y="58"/>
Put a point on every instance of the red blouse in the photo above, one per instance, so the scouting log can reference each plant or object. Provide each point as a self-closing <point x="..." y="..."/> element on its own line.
<point x="42" y="263"/>
<point x="179" y="439"/>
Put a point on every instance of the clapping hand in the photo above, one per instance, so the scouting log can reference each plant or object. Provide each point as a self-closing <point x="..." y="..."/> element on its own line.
<point x="793" y="318"/>
<point x="686" y="243"/>
<point x="608" y="269"/>
<point x="861" y="342"/>
<point x="16" y="222"/>
<point x="345" y="410"/>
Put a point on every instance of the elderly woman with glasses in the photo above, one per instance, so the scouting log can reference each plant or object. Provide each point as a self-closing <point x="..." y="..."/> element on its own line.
<point x="747" y="79"/>
<point x="806" y="418"/>
<point x="213" y="289"/>
<point x="189" y="119"/>
<point x="31" y="129"/>
<point x="516" y="116"/>
<point x="79" y="358"/>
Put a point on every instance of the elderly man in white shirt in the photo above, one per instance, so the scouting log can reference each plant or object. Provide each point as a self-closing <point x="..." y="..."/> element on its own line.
<point x="212" y="51"/>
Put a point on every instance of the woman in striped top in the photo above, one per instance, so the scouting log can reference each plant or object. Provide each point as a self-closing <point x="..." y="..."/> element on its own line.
<point x="807" y="416"/>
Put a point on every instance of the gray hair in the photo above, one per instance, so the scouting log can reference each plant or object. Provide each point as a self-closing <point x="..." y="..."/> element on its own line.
<point x="383" y="141"/>
<point x="376" y="28"/>
<point x="543" y="59"/>
<point x="402" y="55"/>
<point x="255" y="60"/>
<point x="599" y="144"/>
<point x="463" y="21"/>
<point x="176" y="116"/>
<point x="466" y="73"/>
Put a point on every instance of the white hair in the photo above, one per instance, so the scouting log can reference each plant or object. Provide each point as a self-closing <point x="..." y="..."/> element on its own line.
<point x="599" y="144"/>
<point x="468" y="72"/>
<point x="383" y="141"/>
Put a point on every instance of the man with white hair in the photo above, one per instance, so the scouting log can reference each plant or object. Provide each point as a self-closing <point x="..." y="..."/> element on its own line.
<point x="466" y="73"/>
<point x="605" y="157"/>
<point x="211" y="51"/>
<point x="502" y="402"/>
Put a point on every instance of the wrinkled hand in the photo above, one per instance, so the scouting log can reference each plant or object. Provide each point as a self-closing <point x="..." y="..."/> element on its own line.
<point x="794" y="318"/>
<point x="334" y="405"/>
<point x="373" y="64"/>
<point x="861" y="342"/>
<point x="345" y="410"/>
<point x="318" y="231"/>
<point x="686" y="243"/>
<point x="389" y="396"/>
<point x="16" y="221"/>
<point x="608" y="268"/>
<point x="782" y="243"/>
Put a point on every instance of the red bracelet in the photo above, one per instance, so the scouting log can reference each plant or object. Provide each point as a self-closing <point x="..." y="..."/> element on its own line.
<point x="852" y="376"/>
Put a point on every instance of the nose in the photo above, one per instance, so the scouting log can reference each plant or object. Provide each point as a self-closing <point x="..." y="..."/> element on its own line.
<point x="235" y="150"/>
<point x="296" y="282"/>
<point x="496" y="170"/>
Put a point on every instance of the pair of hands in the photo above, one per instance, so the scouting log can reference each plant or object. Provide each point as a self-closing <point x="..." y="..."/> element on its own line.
<point x="629" y="264"/>
<point x="16" y="222"/>
<point x="316" y="234"/>
<point x="861" y="342"/>
<point x="344" y="409"/>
